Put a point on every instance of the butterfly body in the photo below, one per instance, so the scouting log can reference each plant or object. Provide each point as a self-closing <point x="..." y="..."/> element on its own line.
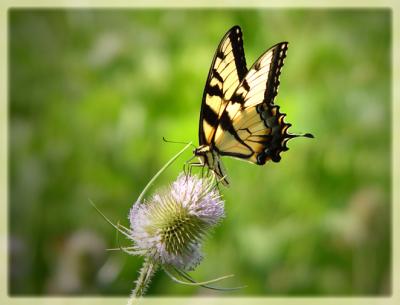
<point x="238" y="116"/>
<point x="207" y="155"/>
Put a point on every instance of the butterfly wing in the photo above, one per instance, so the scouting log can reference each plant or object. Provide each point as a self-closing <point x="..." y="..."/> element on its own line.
<point x="251" y="127"/>
<point x="227" y="70"/>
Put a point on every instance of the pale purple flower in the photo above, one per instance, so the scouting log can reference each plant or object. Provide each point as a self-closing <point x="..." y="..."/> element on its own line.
<point x="168" y="229"/>
<point x="170" y="226"/>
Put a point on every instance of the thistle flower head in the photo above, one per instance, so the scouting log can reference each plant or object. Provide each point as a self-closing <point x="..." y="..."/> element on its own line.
<point x="171" y="225"/>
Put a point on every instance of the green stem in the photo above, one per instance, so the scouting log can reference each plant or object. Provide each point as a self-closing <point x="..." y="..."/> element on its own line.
<point x="146" y="273"/>
<point x="161" y="171"/>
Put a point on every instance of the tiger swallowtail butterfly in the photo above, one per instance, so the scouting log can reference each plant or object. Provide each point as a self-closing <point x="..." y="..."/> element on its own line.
<point x="238" y="116"/>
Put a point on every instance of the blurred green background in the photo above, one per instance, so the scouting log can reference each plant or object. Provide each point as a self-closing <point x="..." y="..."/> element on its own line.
<point x="92" y="93"/>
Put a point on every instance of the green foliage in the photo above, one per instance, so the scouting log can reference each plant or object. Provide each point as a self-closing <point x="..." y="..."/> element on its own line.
<point x="92" y="93"/>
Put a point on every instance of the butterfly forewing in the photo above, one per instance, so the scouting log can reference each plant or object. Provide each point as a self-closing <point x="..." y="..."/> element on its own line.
<point x="227" y="70"/>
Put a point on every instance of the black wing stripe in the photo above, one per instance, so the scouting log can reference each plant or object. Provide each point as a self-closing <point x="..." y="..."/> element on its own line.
<point x="210" y="116"/>
<point x="237" y="99"/>
<point x="224" y="63"/>
<point x="237" y="48"/>
<point x="222" y="57"/>
<point x="279" y="55"/>
<point x="217" y="76"/>
<point x="214" y="90"/>
<point x="219" y="54"/>
<point x="226" y="124"/>
<point x="229" y="152"/>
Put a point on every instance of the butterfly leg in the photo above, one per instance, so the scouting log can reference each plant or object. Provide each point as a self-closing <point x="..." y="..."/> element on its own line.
<point x="186" y="165"/>
<point x="194" y="164"/>
<point x="207" y="171"/>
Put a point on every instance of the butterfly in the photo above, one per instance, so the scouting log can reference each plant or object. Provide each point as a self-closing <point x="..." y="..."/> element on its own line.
<point x="238" y="117"/>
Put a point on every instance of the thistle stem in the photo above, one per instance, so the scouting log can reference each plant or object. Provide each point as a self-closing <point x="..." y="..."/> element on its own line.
<point x="146" y="273"/>
<point x="161" y="171"/>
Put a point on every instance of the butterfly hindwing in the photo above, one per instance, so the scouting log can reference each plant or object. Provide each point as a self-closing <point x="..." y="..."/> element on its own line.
<point x="227" y="70"/>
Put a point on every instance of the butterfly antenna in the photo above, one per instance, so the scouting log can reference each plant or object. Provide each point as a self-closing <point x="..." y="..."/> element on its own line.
<point x="177" y="142"/>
